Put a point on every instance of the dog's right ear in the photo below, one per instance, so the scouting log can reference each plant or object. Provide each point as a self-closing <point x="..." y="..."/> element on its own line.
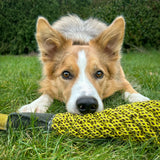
<point x="49" y="40"/>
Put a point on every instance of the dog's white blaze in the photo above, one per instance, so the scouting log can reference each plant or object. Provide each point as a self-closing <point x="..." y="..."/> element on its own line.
<point x="82" y="86"/>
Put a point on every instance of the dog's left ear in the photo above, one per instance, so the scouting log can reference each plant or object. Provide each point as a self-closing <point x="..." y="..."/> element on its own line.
<point x="111" y="39"/>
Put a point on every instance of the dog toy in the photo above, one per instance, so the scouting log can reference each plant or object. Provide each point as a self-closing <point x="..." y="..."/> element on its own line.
<point x="138" y="121"/>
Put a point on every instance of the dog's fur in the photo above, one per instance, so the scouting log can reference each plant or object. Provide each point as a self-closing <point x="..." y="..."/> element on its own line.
<point x="80" y="59"/>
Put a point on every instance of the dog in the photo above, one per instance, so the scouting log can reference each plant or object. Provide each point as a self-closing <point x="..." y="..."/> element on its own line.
<point x="81" y="64"/>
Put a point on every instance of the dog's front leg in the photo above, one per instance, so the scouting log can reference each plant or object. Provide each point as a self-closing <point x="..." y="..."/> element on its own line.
<point x="131" y="94"/>
<point x="39" y="105"/>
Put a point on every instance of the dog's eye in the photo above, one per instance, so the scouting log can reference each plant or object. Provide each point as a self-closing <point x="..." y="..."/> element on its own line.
<point x="67" y="75"/>
<point x="99" y="74"/>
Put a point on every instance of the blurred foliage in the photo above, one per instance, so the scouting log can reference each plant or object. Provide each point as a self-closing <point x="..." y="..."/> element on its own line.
<point x="18" y="20"/>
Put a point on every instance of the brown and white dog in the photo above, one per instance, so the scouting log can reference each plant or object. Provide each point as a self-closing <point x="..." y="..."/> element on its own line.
<point x="81" y="64"/>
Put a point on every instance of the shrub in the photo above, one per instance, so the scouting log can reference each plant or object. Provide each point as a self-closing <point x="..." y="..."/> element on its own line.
<point x="18" y="20"/>
<point x="142" y="20"/>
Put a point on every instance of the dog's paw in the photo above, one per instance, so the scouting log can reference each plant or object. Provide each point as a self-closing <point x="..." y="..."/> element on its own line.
<point x="39" y="105"/>
<point x="135" y="97"/>
<point x="37" y="108"/>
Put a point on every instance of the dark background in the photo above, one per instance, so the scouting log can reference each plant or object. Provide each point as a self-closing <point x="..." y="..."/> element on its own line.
<point x="18" y="20"/>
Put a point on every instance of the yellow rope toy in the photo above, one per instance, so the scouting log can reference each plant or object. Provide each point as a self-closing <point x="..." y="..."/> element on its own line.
<point x="138" y="121"/>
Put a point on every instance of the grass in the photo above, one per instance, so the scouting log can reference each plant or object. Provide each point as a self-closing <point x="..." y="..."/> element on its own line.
<point x="19" y="76"/>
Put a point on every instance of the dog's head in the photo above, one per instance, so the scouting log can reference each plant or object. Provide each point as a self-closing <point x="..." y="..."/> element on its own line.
<point x="80" y="75"/>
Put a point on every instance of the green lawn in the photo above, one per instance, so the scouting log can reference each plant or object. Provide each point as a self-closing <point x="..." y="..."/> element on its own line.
<point x="19" y="76"/>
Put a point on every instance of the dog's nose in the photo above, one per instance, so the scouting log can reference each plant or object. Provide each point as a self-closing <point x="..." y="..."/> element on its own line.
<point x="87" y="105"/>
